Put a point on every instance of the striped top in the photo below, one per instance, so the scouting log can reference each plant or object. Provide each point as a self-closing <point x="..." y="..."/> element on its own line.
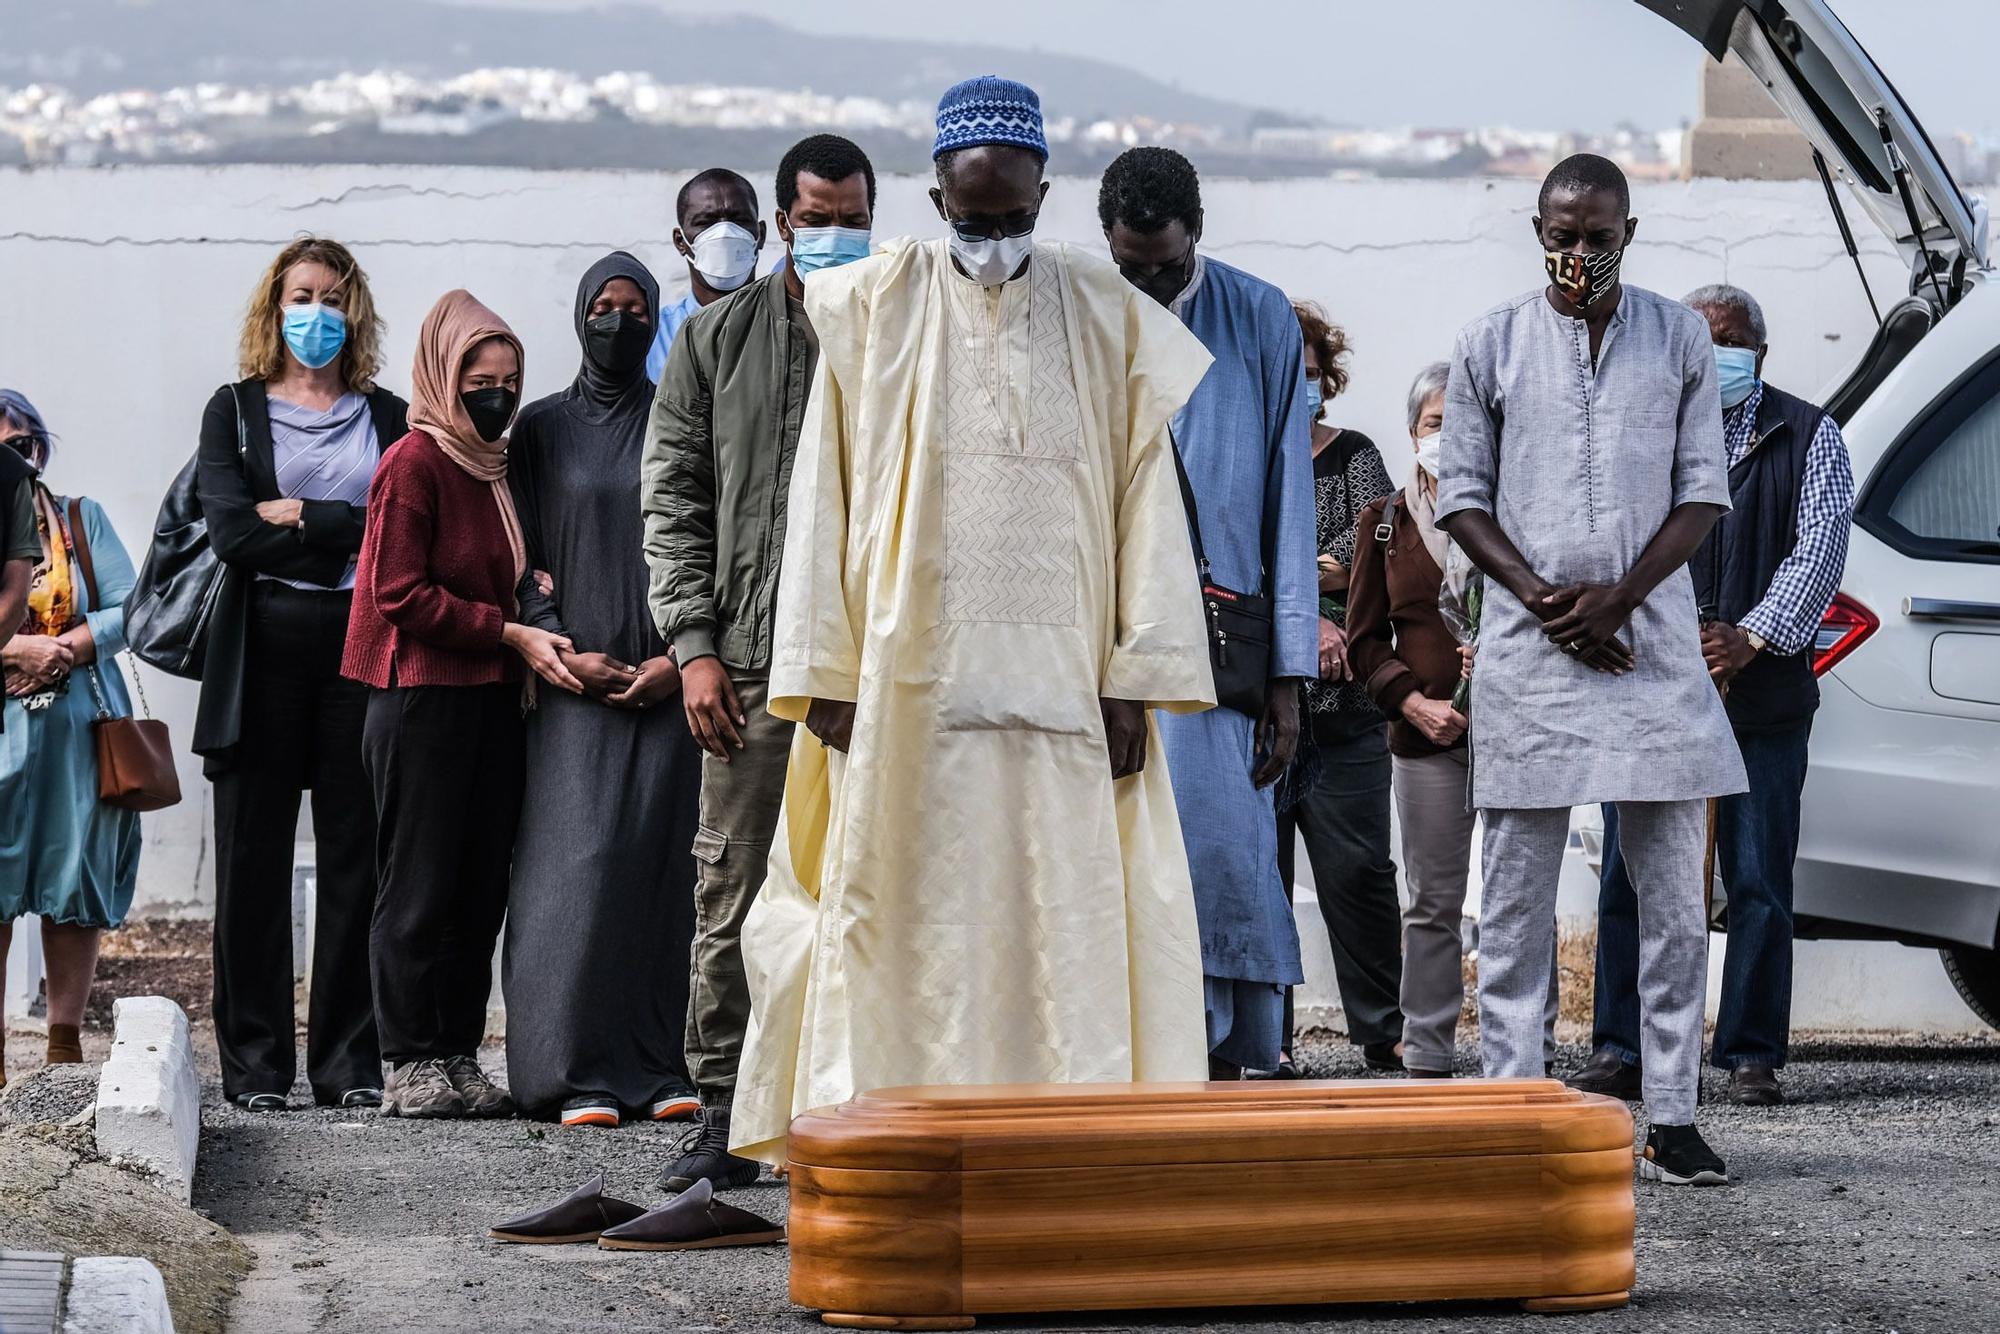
<point x="328" y="455"/>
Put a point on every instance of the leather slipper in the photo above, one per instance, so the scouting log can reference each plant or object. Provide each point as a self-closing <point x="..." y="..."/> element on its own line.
<point x="692" y="1220"/>
<point x="577" y="1217"/>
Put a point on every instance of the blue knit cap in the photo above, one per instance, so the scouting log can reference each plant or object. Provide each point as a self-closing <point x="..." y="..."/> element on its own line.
<point x="990" y="110"/>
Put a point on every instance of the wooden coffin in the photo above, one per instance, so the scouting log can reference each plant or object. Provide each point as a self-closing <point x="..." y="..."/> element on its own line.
<point x="923" y="1207"/>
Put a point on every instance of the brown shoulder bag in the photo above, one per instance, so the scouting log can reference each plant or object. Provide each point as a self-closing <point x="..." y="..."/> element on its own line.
<point x="135" y="758"/>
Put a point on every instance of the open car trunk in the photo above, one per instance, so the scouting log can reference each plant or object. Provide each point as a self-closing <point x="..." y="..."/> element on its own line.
<point x="1828" y="86"/>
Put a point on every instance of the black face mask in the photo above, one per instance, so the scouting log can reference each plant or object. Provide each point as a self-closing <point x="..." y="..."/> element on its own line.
<point x="490" y="410"/>
<point x="1169" y="282"/>
<point x="617" y="343"/>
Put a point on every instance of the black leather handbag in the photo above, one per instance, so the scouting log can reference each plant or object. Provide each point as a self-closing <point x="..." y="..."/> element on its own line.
<point x="170" y="608"/>
<point x="1239" y="624"/>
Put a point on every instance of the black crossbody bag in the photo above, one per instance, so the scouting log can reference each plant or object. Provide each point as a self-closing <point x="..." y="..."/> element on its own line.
<point x="1239" y="624"/>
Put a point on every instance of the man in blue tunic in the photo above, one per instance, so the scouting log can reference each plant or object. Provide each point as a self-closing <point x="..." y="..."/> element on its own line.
<point x="1246" y="440"/>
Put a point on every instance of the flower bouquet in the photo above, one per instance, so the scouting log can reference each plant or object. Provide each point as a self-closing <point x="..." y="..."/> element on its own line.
<point x="1460" y="598"/>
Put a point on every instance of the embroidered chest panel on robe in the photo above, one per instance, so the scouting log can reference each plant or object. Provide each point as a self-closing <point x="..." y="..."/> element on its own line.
<point x="1012" y="438"/>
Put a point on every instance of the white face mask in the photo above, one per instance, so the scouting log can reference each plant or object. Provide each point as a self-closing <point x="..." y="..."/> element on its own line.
<point x="725" y="255"/>
<point x="1427" y="453"/>
<point x="989" y="262"/>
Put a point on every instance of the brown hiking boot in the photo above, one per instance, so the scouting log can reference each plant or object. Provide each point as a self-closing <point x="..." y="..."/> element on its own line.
<point x="421" y="1089"/>
<point x="482" y="1096"/>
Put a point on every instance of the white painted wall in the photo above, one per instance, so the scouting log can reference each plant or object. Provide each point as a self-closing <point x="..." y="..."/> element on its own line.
<point x="121" y="289"/>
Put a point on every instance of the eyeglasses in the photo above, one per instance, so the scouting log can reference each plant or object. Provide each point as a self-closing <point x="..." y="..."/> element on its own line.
<point x="25" y="445"/>
<point x="993" y="229"/>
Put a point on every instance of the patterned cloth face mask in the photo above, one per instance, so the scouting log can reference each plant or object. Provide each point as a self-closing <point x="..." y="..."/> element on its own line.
<point x="1584" y="279"/>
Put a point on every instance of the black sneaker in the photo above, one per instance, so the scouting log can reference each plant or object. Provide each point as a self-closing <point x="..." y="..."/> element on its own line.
<point x="591" y="1111"/>
<point x="1381" y="1056"/>
<point x="1608" y="1073"/>
<point x="704" y="1156"/>
<point x="262" y="1102"/>
<point x="675" y="1101"/>
<point x="1678" y="1156"/>
<point x="1285" y="1070"/>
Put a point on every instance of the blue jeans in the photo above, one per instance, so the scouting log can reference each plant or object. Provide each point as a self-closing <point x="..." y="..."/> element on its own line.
<point x="1756" y="841"/>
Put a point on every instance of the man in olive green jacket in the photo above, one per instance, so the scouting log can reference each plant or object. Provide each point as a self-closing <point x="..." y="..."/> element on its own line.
<point x="713" y="482"/>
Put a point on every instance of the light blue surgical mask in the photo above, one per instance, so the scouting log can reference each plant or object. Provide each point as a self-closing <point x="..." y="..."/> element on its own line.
<point x="1735" y="373"/>
<point x="315" y="333"/>
<point x="816" y="248"/>
<point x="1315" y="397"/>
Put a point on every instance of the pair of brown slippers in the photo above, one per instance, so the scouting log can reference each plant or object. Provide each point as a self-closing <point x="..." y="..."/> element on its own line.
<point x="691" y="1220"/>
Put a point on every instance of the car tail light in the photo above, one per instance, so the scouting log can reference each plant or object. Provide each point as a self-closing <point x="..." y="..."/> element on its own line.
<point x="1846" y="624"/>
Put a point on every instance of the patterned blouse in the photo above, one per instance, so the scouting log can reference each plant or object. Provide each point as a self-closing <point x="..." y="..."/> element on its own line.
<point x="1347" y="477"/>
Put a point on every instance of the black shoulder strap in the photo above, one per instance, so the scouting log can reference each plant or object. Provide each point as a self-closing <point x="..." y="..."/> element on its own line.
<point x="242" y="426"/>
<point x="1188" y="502"/>
<point x="1386" y="529"/>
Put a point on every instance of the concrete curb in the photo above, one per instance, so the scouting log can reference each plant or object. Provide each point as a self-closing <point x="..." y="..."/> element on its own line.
<point x="148" y="1098"/>
<point x="116" y="1294"/>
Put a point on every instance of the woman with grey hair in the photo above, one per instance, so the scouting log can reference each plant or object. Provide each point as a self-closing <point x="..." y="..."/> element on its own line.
<point x="65" y="856"/>
<point x="1410" y="663"/>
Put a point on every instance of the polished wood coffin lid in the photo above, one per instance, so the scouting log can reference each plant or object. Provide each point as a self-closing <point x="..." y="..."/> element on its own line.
<point x="1011" y="1126"/>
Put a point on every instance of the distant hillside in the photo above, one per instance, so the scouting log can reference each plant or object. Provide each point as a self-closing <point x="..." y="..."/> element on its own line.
<point x="94" y="46"/>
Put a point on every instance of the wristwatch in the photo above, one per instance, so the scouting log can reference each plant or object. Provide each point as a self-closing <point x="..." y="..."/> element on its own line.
<point x="1757" y="641"/>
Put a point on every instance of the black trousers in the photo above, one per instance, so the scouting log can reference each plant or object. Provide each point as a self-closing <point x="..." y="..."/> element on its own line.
<point x="447" y="765"/>
<point x="1345" y="820"/>
<point x="301" y="730"/>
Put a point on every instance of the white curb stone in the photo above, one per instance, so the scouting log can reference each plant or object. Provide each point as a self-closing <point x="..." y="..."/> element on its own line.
<point x="117" y="1294"/>
<point x="148" y="1099"/>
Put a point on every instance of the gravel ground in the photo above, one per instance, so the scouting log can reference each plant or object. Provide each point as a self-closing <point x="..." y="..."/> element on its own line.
<point x="1870" y="1202"/>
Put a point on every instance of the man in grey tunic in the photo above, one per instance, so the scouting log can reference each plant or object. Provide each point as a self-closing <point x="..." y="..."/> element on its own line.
<point x="1582" y="464"/>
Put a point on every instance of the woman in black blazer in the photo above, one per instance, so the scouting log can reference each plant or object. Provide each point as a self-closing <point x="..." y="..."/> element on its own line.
<point x="285" y="461"/>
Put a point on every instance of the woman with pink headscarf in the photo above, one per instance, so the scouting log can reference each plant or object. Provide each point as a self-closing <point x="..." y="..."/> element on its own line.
<point x="435" y="631"/>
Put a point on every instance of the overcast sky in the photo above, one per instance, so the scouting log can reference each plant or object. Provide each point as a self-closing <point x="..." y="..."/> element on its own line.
<point x="1428" y="62"/>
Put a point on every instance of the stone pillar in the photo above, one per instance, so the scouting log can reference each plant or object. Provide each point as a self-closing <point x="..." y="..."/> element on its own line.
<point x="24" y="975"/>
<point x="1741" y="136"/>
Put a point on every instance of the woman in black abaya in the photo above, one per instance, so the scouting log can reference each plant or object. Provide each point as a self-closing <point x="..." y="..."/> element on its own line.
<point x="602" y="907"/>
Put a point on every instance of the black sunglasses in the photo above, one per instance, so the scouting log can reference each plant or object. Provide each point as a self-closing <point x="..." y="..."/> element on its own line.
<point x="989" y="229"/>
<point x="25" y="444"/>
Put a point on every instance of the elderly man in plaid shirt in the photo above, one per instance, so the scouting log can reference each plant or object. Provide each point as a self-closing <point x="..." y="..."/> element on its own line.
<point x="1764" y="579"/>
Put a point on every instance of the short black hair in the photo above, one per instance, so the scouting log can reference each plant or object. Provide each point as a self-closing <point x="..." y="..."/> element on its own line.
<point x="1585" y="173"/>
<point x="722" y="176"/>
<point x="827" y="156"/>
<point x="1147" y="188"/>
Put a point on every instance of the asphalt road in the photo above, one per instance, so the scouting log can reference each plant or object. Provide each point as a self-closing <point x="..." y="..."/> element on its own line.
<point x="1870" y="1202"/>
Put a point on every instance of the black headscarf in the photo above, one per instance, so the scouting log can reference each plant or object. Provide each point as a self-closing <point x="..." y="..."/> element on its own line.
<point x="599" y="392"/>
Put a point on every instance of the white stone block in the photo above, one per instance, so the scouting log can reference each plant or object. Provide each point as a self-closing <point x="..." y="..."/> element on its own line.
<point x="148" y="1097"/>
<point x="116" y="1294"/>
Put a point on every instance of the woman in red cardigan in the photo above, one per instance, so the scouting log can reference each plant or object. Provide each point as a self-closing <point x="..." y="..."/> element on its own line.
<point x="434" y="632"/>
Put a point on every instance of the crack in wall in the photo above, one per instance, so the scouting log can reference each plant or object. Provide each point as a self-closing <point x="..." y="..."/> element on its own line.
<point x="1707" y="247"/>
<point x="403" y="191"/>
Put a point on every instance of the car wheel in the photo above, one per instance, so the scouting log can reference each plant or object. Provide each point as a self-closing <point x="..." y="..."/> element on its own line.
<point x="1976" y="974"/>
